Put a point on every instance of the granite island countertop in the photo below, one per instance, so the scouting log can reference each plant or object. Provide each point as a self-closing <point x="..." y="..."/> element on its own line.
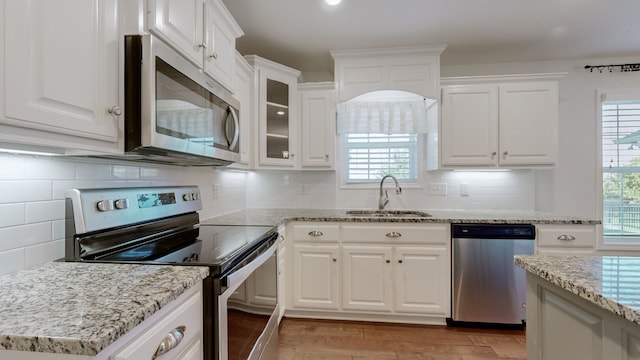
<point x="274" y="217"/>
<point x="80" y="308"/>
<point x="610" y="282"/>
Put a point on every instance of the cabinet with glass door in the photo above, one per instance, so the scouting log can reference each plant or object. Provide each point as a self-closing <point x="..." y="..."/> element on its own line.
<point x="276" y="103"/>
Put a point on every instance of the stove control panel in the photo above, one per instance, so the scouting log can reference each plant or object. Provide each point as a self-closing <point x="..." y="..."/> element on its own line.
<point x="97" y="209"/>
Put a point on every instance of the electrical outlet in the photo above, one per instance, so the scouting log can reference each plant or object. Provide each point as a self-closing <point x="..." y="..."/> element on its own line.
<point x="464" y="189"/>
<point x="438" y="189"/>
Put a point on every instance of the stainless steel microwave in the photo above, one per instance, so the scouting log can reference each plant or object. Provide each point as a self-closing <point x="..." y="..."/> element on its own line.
<point x="174" y="113"/>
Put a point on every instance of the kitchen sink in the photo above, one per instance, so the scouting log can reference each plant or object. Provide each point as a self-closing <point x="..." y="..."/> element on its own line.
<point x="387" y="214"/>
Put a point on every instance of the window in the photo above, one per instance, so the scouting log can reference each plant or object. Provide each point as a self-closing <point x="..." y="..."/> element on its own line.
<point x="621" y="168"/>
<point x="368" y="157"/>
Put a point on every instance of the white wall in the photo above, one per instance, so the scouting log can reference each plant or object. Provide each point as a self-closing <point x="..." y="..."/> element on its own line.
<point x="32" y="198"/>
<point x="571" y="188"/>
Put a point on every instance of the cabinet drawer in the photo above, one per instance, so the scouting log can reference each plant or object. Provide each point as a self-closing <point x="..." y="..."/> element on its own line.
<point x="187" y="315"/>
<point x="583" y="236"/>
<point x="316" y="232"/>
<point x="423" y="234"/>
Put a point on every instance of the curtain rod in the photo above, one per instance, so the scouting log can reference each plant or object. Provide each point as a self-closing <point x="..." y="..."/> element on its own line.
<point x="623" y="67"/>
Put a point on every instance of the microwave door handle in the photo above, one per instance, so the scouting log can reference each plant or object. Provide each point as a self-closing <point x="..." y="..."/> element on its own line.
<point x="236" y="128"/>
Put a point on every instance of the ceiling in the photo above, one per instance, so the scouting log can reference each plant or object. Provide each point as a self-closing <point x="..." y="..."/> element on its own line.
<point x="300" y="33"/>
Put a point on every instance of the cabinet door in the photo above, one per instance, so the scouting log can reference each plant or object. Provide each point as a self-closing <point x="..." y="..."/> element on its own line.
<point x="219" y="53"/>
<point x="243" y="92"/>
<point x="567" y="331"/>
<point x="278" y="127"/>
<point x="422" y="279"/>
<point x="469" y="125"/>
<point x="366" y="278"/>
<point x="317" y="117"/>
<point x="315" y="276"/>
<point x="62" y="67"/>
<point x="180" y="23"/>
<point x="528" y="123"/>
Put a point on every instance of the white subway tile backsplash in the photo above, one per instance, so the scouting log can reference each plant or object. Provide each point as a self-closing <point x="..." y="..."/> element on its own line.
<point x="12" y="260"/>
<point x="60" y="187"/>
<point x="50" y="168"/>
<point x="12" y="191"/>
<point x="13" y="167"/>
<point x="44" y="211"/>
<point x="12" y="214"/>
<point x="24" y="235"/>
<point x="125" y="172"/>
<point x="86" y="171"/>
<point x="42" y="253"/>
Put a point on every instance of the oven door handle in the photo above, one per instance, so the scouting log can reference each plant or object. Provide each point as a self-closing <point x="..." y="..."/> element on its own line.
<point x="239" y="276"/>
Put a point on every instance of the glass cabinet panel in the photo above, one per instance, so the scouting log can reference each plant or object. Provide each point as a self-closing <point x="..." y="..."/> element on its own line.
<point x="277" y="120"/>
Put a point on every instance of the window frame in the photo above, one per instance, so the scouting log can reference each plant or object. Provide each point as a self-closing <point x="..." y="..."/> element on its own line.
<point x="605" y="242"/>
<point x="374" y="184"/>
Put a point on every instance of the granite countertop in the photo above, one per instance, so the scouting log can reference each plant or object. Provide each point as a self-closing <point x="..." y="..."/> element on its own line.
<point x="80" y="308"/>
<point x="273" y="217"/>
<point x="610" y="282"/>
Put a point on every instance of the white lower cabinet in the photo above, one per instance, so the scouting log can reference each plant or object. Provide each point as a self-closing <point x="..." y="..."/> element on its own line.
<point x="315" y="273"/>
<point x="367" y="278"/>
<point x="561" y="325"/>
<point x="375" y="271"/>
<point x="185" y="320"/>
<point x="565" y="239"/>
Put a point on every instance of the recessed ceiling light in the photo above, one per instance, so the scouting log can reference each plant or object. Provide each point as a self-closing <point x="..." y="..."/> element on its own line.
<point x="333" y="2"/>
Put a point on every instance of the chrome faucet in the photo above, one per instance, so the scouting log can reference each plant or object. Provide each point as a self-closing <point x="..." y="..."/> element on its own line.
<point x="384" y="197"/>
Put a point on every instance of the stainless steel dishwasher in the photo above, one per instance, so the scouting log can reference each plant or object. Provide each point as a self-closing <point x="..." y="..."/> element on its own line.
<point x="487" y="288"/>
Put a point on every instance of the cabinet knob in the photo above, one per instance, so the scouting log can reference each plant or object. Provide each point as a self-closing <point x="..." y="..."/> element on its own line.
<point x="170" y="341"/>
<point x="214" y="55"/>
<point x="334" y="259"/>
<point x="393" y="234"/>
<point x="388" y="261"/>
<point x="566" y="237"/>
<point x="400" y="261"/>
<point x="315" y="233"/>
<point x="493" y="154"/>
<point x="505" y="153"/>
<point x="202" y="46"/>
<point x="115" y="110"/>
<point x="326" y="156"/>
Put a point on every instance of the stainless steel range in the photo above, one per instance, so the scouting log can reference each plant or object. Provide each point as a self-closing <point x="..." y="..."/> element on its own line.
<point x="160" y="225"/>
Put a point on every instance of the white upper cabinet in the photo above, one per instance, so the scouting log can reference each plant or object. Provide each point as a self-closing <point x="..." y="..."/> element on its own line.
<point x="203" y="31"/>
<point x="499" y="121"/>
<point x="61" y="73"/>
<point x="244" y="90"/>
<point x="179" y="23"/>
<point x="318" y="121"/>
<point x="275" y="106"/>
<point x="415" y="69"/>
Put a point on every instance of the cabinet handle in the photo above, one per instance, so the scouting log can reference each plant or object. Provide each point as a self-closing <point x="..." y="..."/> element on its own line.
<point x="315" y="233"/>
<point x="566" y="237"/>
<point x="388" y="261"/>
<point x="202" y="46"/>
<point x="393" y="234"/>
<point x="214" y="55"/>
<point x="115" y="110"/>
<point x="170" y="341"/>
<point x="400" y="261"/>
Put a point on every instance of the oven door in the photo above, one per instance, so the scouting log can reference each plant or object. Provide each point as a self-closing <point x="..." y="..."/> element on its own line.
<point x="247" y="318"/>
<point x="171" y="105"/>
